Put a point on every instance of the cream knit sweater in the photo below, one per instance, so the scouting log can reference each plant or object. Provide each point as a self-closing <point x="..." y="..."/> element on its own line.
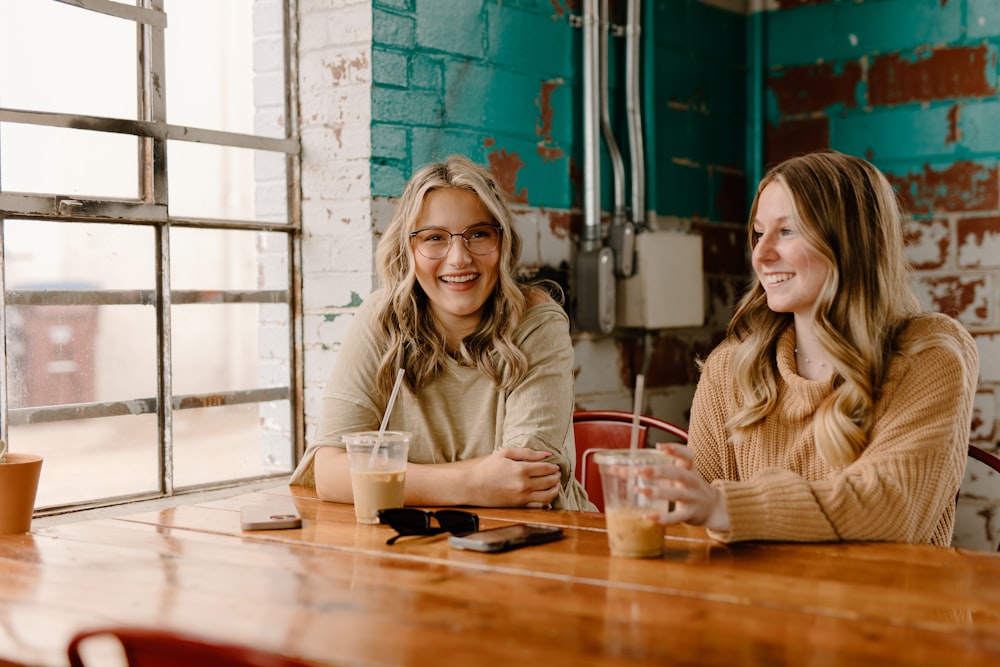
<point x="901" y="489"/>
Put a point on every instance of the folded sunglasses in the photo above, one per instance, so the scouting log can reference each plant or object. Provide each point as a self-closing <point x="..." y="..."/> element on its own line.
<point x="408" y="521"/>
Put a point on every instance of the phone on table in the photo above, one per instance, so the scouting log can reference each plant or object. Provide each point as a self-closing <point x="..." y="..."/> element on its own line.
<point x="269" y="517"/>
<point x="506" y="538"/>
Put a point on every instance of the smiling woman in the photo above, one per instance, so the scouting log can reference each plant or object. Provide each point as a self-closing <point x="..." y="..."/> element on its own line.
<point x="835" y="409"/>
<point x="457" y="281"/>
<point x="488" y="362"/>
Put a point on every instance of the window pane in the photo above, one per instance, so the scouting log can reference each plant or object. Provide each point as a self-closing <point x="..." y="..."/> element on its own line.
<point x="40" y="253"/>
<point x="58" y="355"/>
<point x="209" y="58"/>
<point x="70" y="70"/>
<point x="92" y="459"/>
<point x="231" y="442"/>
<point x="78" y="352"/>
<point x="218" y="348"/>
<point x="228" y="259"/>
<point x="62" y="161"/>
<point x="218" y="182"/>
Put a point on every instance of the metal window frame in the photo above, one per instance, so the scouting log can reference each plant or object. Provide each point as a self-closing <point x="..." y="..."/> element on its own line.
<point x="150" y="209"/>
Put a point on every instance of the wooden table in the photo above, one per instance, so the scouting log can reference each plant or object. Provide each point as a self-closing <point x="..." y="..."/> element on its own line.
<point x="333" y="592"/>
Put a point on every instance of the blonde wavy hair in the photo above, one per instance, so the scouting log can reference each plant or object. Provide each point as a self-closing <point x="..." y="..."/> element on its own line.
<point x="848" y="213"/>
<point x="409" y="334"/>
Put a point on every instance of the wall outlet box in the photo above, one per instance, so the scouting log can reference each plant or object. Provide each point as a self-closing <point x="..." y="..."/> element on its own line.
<point x="668" y="287"/>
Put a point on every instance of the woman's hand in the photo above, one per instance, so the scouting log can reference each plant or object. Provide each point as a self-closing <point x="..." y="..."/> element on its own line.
<point x="514" y="477"/>
<point x="696" y="502"/>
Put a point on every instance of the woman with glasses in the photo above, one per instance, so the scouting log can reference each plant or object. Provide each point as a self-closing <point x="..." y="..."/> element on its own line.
<point x="836" y="409"/>
<point x="488" y="362"/>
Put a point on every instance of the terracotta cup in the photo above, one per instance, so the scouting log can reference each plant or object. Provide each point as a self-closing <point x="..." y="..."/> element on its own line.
<point x="18" y="485"/>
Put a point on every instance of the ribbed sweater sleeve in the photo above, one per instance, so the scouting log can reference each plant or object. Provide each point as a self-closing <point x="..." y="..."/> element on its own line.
<point x="902" y="488"/>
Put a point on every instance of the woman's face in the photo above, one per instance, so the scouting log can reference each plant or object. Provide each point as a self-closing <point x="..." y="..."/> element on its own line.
<point x="790" y="271"/>
<point x="459" y="283"/>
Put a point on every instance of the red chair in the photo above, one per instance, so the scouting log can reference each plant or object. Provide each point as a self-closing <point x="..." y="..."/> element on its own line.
<point x="595" y="430"/>
<point x="144" y="647"/>
<point x="990" y="460"/>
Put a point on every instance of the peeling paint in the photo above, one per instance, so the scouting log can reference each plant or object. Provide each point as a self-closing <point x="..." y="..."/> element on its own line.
<point x="505" y="166"/>
<point x="979" y="242"/>
<point x="544" y="126"/>
<point x="548" y="150"/>
<point x="933" y="74"/>
<point x="559" y="223"/>
<point x="808" y="88"/>
<point x="926" y="243"/>
<point x="954" y="132"/>
<point x="560" y="11"/>
<point x="342" y="68"/>
<point x="549" y="153"/>
<point x="961" y="186"/>
<point x="961" y="297"/>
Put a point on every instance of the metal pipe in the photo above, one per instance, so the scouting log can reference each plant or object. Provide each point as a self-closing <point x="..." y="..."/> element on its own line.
<point x="591" y="128"/>
<point x="622" y="233"/>
<point x="595" y="280"/>
<point x="633" y="107"/>
<point x="617" y="164"/>
<point x="756" y="45"/>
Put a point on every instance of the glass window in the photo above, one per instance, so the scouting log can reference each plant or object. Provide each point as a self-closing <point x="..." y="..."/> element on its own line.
<point x="72" y="162"/>
<point x="58" y="58"/>
<point x="146" y="304"/>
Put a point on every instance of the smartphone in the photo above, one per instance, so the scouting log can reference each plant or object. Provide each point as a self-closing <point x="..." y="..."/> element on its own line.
<point x="506" y="538"/>
<point x="269" y="517"/>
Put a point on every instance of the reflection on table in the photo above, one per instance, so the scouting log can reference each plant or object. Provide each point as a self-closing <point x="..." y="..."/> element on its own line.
<point x="333" y="592"/>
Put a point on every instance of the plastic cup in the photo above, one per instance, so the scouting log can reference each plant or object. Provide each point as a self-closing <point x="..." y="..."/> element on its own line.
<point x="377" y="482"/>
<point x="627" y="476"/>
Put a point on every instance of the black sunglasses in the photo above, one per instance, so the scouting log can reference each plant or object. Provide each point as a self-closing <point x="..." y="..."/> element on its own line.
<point x="408" y="521"/>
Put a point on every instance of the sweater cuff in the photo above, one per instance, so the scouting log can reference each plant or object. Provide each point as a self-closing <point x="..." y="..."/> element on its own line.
<point x="771" y="511"/>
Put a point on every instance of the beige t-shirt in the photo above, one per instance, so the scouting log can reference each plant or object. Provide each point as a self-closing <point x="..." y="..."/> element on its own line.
<point x="462" y="414"/>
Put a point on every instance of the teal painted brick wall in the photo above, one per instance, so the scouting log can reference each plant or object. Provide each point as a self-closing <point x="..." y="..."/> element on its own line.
<point x="494" y="80"/>
<point x="499" y="81"/>
<point x="848" y="30"/>
<point x="696" y="111"/>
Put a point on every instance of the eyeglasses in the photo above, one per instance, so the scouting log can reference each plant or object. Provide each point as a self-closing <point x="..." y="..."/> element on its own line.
<point x="434" y="242"/>
<point x="408" y="521"/>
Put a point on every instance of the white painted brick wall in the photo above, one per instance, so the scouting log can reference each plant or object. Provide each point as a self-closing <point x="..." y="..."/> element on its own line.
<point x="335" y="119"/>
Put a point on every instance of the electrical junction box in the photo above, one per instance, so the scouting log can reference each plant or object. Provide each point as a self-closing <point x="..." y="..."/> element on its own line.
<point x="668" y="287"/>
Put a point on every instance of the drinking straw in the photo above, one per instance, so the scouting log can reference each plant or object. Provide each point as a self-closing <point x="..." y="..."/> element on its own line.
<point x="640" y="381"/>
<point x="385" y="417"/>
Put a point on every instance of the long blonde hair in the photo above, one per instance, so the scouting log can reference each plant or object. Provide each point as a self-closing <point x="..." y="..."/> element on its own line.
<point x="410" y="337"/>
<point x="848" y="213"/>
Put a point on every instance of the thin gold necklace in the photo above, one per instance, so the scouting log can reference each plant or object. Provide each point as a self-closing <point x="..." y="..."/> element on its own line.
<point x="821" y="364"/>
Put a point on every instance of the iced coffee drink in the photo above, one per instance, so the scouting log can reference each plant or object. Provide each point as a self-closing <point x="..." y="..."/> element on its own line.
<point x="378" y="471"/>
<point x="376" y="490"/>
<point x="631" y="534"/>
<point x="629" y="478"/>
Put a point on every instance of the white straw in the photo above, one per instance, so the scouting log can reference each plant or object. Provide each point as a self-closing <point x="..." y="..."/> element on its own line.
<point x="640" y="382"/>
<point x="392" y="401"/>
<point x="385" y="417"/>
